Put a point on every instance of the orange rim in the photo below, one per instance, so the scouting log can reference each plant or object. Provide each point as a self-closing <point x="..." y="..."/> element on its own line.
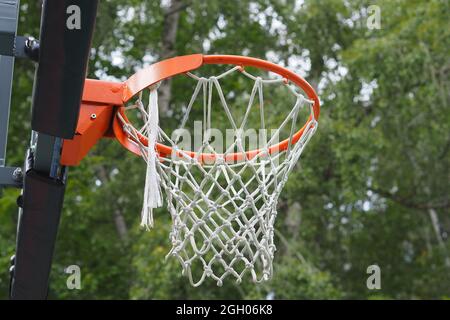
<point x="179" y="65"/>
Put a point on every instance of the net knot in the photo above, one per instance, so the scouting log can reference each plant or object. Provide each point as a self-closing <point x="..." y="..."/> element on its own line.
<point x="220" y="160"/>
<point x="200" y="224"/>
<point x="212" y="79"/>
<point x="208" y="271"/>
<point x="213" y="207"/>
<point x="187" y="209"/>
<point x="189" y="234"/>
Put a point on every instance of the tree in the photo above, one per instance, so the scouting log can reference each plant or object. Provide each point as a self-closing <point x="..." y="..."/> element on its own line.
<point x="371" y="187"/>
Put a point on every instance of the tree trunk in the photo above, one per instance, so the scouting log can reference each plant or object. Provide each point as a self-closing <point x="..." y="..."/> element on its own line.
<point x="170" y="27"/>
<point x="119" y="220"/>
<point x="293" y="219"/>
<point x="121" y="225"/>
<point x="437" y="230"/>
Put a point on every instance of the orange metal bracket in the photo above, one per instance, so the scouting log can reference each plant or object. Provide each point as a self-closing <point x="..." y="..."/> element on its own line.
<point x="101" y="97"/>
<point x="95" y="119"/>
<point x="94" y="123"/>
<point x="105" y="92"/>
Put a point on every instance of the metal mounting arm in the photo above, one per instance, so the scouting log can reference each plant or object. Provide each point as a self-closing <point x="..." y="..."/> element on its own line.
<point x="11" y="177"/>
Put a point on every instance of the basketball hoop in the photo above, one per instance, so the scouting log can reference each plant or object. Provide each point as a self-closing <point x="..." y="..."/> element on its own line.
<point x="223" y="202"/>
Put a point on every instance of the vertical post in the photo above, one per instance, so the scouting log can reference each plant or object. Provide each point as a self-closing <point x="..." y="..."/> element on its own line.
<point x="41" y="203"/>
<point x="6" y="70"/>
<point x="65" y="43"/>
<point x="9" y="11"/>
<point x="63" y="57"/>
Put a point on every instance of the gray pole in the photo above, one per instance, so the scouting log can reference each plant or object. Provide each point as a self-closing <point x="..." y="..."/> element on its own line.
<point x="9" y="11"/>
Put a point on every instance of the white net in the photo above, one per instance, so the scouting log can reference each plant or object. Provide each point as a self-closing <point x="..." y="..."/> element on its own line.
<point x="223" y="203"/>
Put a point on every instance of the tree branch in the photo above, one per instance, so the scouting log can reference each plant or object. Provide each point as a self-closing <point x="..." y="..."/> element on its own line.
<point x="175" y="9"/>
<point x="444" y="150"/>
<point x="406" y="202"/>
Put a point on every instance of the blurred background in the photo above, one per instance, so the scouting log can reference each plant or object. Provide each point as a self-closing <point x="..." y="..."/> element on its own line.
<point x="372" y="186"/>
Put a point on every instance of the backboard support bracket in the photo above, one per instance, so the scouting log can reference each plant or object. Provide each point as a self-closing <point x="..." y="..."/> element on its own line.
<point x="11" y="177"/>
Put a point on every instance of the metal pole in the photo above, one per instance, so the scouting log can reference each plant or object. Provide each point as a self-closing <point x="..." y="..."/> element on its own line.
<point x="63" y="56"/>
<point x="9" y="12"/>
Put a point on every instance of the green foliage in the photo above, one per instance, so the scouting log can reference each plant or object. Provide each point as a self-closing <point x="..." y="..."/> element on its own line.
<point x="361" y="194"/>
